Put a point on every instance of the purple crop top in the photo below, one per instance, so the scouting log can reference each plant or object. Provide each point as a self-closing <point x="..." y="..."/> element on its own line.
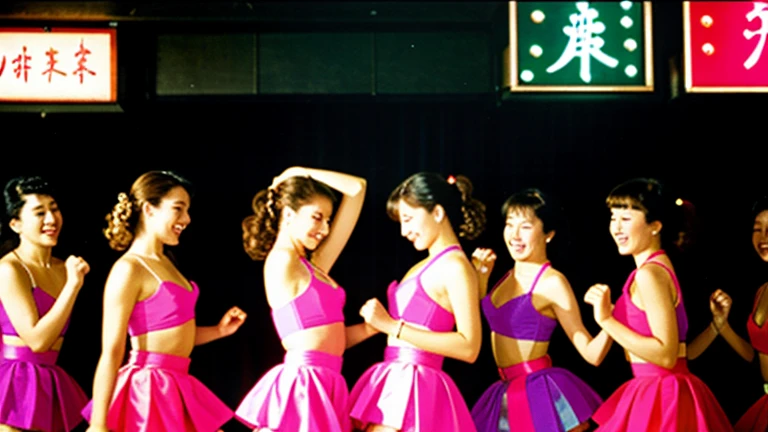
<point x="408" y="301"/>
<point x="43" y="301"/>
<point x="631" y="316"/>
<point x="517" y="318"/>
<point x="319" y="304"/>
<point x="170" y="306"/>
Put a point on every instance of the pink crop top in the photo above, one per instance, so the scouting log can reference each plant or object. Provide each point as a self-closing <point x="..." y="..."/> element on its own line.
<point x="43" y="301"/>
<point x="170" y="306"/>
<point x="631" y="316"/>
<point x="517" y="318"/>
<point x="408" y="301"/>
<point x="758" y="336"/>
<point x="319" y="304"/>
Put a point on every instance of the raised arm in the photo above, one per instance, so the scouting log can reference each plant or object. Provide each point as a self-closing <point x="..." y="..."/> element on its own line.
<point x="483" y="260"/>
<point x="460" y="281"/>
<point x="568" y="314"/>
<point x="720" y="305"/>
<point x="353" y="188"/>
<point x="357" y="333"/>
<point x="16" y="296"/>
<point x="655" y="294"/>
<point x="120" y="296"/>
<point x="227" y="326"/>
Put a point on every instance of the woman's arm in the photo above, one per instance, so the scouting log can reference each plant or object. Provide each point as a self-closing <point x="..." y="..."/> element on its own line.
<point x="568" y="314"/>
<point x="353" y="188"/>
<point x="16" y="296"/>
<point x="720" y="304"/>
<point x="230" y="322"/>
<point x="120" y="295"/>
<point x="358" y="333"/>
<point x="653" y="287"/>
<point x="460" y="281"/>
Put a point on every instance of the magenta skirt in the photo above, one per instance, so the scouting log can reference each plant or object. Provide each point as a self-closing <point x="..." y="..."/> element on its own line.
<point x="409" y="392"/>
<point x="154" y="393"/>
<point x="306" y="393"/>
<point x="659" y="399"/>
<point x="35" y="394"/>
<point x="756" y="417"/>
<point x="539" y="398"/>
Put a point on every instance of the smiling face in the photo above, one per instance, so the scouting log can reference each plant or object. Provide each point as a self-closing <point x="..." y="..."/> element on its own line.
<point x="760" y="235"/>
<point x="310" y="224"/>
<point x="631" y="232"/>
<point x="170" y="217"/>
<point x="418" y="225"/>
<point x="39" y="220"/>
<point x="524" y="236"/>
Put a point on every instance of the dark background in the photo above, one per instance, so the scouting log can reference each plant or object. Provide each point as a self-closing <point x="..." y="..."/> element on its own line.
<point x="310" y="100"/>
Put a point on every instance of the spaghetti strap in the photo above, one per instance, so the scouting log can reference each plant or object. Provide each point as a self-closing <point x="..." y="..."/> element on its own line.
<point x="26" y="269"/>
<point x="538" y="276"/>
<point x="146" y="266"/>
<point x="443" y="252"/>
<point x="309" y="265"/>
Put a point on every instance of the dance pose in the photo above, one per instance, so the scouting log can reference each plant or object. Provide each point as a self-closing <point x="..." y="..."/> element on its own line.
<point x="755" y="419"/>
<point x="433" y="313"/>
<point x="650" y="323"/>
<point x="291" y="231"/>
<point x="523" y="310"/>
<point x="37" y="293"/>
<point x="148" y="297"/>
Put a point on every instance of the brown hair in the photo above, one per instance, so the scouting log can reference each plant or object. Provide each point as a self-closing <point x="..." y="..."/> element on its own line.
<point x="260" y="229"/>
<point x="426" y="190"/>
<point x="150" y="187"/>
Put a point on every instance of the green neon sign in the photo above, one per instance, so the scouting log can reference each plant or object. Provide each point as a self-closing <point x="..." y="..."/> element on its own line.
<point x="580" y="46"/>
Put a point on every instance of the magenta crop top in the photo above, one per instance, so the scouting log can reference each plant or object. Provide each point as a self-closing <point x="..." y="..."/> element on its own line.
<point x="43" y="301"/>
<point x="318" y="305"/>
<point x="517" y="318"/>
<point x="631" y="316"/>
<point x="170" y="306"/>
<point x="758" y="336"/>
<point x="409" y="302"/>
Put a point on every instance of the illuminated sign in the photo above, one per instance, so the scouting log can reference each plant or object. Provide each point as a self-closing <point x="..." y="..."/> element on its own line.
<point x="580" y="47"/>
<point x="725" y="46"/>
<point x="61" y="65"/>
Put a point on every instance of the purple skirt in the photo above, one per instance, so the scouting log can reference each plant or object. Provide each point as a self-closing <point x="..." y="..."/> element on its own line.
<point x="535" y="397"/>
<point x="306" y="393"/>
<point x="409" y="392"/>
<point x="35" y="394"/>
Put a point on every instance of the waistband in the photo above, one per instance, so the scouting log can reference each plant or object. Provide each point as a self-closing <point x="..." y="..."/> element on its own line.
<point x="413" y="355"/>
<point x="22" y="353"/>
<point x="651" y="370"/>
<point x="509" y="373"/>
<point x="313" y="358"/>
<point x="159" y="360"/>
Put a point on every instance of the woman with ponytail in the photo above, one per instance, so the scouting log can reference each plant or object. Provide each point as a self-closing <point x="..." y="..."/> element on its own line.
<point x="433" y="313"/>
<point x="148" y="297"/>
<point x="37" y="293"/>
<point x="291" y="231"/>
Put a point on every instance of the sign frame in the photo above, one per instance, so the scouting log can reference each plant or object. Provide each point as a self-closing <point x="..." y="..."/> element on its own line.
<point x="688" y="86"/>
<point x="511" y="66"/>
<point x="110" y="31"/>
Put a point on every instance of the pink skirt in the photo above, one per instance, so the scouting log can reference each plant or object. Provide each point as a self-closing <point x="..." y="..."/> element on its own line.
<point x="35" y="394"/>
<point x="756" y="417"/>
<point x="409" y="392"/>
<point x="659" y="399"/>
<point x="154" y="393"/>
<point x="306" y="393"/>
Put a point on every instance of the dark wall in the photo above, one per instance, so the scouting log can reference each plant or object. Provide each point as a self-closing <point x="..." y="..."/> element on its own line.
<point x="707" y="149"/>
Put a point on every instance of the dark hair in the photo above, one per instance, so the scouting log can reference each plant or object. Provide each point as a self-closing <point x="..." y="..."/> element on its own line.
<point x="542" y="205"/>
<point x="649" y="196"/>
<point x="260" y="229"/>
<point x="150" y="187"/>
<point x="466" y="214"/>
<point x="13" y="193"/>
<point x="759" y="206"/>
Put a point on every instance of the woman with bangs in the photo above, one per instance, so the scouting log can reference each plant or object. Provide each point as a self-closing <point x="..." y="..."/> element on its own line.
<point x="650" y="323"/>
<point x="523" y="309"/>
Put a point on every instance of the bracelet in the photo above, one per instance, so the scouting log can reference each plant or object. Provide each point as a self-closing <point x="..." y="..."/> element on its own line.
<point x="714" y="327"/>
<point x="400" y="326"/>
